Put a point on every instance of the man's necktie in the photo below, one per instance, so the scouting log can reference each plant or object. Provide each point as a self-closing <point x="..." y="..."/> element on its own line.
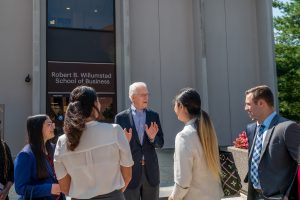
<point x="140" y="128"/>
<point x="256" y="157"/>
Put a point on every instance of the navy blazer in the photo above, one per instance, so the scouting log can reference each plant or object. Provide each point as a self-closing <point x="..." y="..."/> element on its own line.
<point x="279" y="156"/>
<point x="125" y="120"/>
<point x="26" y="177"/>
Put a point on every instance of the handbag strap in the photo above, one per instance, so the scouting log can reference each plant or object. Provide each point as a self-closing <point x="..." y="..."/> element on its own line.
<point x="51" y="171"/>
<point x="25" y="193"/>
<point x="31" y="193"/>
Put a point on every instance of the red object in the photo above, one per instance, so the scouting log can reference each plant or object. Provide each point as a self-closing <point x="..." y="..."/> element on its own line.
<point x="242" y="141"/>
<point x="298" y="179"/>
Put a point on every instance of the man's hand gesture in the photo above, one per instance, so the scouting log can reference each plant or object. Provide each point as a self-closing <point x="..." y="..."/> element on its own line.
<point x="128" y="134"/>
<point x="152" y="130"/>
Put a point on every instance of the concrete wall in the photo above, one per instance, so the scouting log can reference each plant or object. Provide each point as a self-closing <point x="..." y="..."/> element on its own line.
<point x="239" y="56"/>
<point x="162" y="54"/>
<point x="219" y="47"/>
<point x="233" y="62"/>
<point x="15" y="64"/>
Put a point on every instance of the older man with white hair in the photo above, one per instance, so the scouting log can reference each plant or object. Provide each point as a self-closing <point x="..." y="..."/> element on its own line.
<point x="144" y="133"/>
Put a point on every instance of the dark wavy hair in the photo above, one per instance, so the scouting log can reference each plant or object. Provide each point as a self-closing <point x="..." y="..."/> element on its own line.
<point x="82" y="102"/>
<point x="6" y="163"/>
<point x="261" y="92"/>
<point x="36" y="141"/>
<point x="190" y="99"/>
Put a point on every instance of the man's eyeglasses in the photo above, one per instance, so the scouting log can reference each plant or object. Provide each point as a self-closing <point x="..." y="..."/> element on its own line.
<point x="143" y="95"/>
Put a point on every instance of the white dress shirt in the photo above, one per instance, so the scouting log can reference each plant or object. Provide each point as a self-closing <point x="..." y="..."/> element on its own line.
<point x="94" y="166"/>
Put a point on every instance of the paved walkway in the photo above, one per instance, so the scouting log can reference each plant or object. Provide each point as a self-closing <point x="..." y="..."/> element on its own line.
<point x="165" y="157"/>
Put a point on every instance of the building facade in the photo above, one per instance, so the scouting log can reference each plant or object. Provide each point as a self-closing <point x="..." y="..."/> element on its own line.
<point x="219" y="47"/>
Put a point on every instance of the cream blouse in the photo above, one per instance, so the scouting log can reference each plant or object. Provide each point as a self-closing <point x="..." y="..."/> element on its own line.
<point x="94" y="166"/>
<point x="192" y="178"/>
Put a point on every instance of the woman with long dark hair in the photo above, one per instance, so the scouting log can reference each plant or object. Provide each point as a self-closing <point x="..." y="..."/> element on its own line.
<point x="6" y="170"/>
<point x="92" y="160"/>
<point x="196" y="158"/>
<point x="34" y="170"/>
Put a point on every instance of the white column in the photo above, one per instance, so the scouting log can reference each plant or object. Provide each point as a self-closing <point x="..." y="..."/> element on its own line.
<point x="200" y="58"/>
<point x="123" y="52"/>
<point x="36" y="62"/>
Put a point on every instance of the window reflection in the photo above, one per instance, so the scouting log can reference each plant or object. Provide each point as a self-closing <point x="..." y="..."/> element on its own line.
<point x="81" y="14"/>
<point x="57" y="107"/>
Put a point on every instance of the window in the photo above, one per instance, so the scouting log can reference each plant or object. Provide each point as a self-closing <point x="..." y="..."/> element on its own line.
<point x="80" y="50"/>
<point x="81" y="14"/>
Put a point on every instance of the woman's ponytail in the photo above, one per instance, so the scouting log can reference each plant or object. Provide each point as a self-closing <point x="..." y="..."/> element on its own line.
<point x="81" y="106"/>
<point x="209" y="141"/>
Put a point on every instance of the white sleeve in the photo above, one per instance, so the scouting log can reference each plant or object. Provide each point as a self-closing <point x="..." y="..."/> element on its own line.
<point x="183" y="164"/>
<point x="124" y="148"/>
<point x="59" y="167"/>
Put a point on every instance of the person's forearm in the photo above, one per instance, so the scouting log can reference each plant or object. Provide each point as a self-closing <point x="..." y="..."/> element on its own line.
<point x="64" y="184"/>
<point x="5" y="191"/>
<point x="178" y="192"/>
<point x="126" y="173"/>
<point x="8" y="186"/>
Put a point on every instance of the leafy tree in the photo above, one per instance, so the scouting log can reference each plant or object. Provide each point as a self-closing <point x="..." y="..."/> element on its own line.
<point x="287" y="56"/>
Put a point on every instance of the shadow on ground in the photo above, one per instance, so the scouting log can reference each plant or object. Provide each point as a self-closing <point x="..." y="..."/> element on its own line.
<point x="165" y="159"/>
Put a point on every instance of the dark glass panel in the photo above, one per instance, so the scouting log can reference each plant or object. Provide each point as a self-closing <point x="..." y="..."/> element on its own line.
<point x="81" y="14"/>
<point x="80" y="46"/>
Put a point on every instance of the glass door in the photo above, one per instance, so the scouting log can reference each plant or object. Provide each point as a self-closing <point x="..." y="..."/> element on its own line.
<point x="80" y="50"/>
